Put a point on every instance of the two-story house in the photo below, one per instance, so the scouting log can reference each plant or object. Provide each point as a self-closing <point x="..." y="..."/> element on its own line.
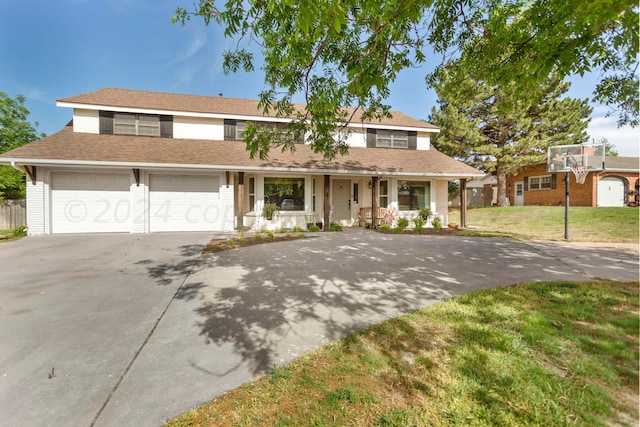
<point x="140" y="162"/>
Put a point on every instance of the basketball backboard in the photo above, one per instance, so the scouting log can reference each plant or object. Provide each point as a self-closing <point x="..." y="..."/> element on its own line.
<point x="561" y="158"/>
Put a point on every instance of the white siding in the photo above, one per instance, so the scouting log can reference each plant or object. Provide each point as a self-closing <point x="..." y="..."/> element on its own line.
<point x="36" y="204"/>
<point x="198" y="128"/>
<point x="424" y="141"/>
<point x="86" y="121"/>
<point x="357" y="138"/>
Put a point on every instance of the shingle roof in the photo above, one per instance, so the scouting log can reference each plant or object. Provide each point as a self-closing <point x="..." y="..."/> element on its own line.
<point x="127" y="98"/>
<point x="622" y="163"/>
<point x="130" y="151"/>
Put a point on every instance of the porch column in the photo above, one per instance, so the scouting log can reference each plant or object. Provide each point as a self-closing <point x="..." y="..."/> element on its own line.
<point x="240" y="208"/>
<point x="327" y="202"/>
<point x="374" y="201"/>
<point x="463" y="202"/>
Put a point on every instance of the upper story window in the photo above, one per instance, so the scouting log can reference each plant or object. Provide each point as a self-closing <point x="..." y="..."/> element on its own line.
<point x="383" y="138"/>
<point x="136" y="124"/>
<point x="392" y="139"/>
<point x="234" y="130"/>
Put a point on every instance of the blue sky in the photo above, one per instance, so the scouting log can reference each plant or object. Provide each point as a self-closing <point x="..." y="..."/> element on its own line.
<point x="56" y="49"/>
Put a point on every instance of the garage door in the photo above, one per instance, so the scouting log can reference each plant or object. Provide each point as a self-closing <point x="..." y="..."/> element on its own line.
<point x="185" y="203"/>
<point x="611" y="192"/>
<point x="90" y="203"/>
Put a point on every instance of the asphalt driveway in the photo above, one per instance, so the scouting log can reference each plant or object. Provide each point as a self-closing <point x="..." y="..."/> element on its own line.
<point x="126" y="330"/>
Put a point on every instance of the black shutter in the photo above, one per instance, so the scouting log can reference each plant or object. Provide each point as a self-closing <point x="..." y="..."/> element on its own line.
<point x="106" y="122"/>
<point x="553" y="181"/>
<point x="229" y="130"/>
<point x="371" y="138"/>
<point x="526" y="183"/>
<point x="166" y="126"/>
<point x="413" y="140"/>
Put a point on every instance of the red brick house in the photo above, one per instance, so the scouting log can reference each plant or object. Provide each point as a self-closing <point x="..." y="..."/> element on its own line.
<point x="617" y="185"/>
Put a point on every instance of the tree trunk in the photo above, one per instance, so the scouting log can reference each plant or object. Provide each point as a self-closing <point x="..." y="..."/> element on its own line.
<point x="502" y="189"/>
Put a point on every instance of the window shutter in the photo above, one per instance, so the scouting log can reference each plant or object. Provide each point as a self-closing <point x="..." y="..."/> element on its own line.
<point x="371" y="138"/>
<point x="553" y="181"/>
<point x="229" y="129"/>
<point x="106" y="122"/>
<point x="526" y="183"/>
<point x="166" y="126"/>
<point x="413" y="140"/>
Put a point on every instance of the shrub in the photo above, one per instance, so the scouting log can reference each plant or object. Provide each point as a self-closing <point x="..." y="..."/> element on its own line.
<point x="401" y="224"/>
<point x="20" y="231"/>
<point x="313" y="228"/>
<point x="419" y="223"/>
<point x="384" y="229"/>
<point x="297" y="230"/>
<point x="437" y="223"/>
<point x="335" y="227"/>
<point x="425" y="213"/>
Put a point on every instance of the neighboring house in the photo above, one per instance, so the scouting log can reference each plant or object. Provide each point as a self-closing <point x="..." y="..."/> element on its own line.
<point x="480" y="192"/>
<point x="617" y="185"/>
<point x="139" y="162"/>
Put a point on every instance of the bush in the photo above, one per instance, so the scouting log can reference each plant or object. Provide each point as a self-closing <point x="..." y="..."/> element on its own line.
<point x="297" y="230"/>
<point x="401" y="224"/>
<point x="384" y="229"/>
<point x="418" y="224"/>
<point x="313" y="228"/>
<point x="425" y="213"/>
<point x="335" y="227"/>
<point x="437" y="223"/>
<point x="20" y="231"/>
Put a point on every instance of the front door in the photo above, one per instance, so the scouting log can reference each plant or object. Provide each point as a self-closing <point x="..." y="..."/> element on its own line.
<point x="518" y="198"/>
<point x="342" y="201"/>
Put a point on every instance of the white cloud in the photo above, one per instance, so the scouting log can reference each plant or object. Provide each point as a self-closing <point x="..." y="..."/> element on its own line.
<point x="625" y="139"/>
<point x="194" y="46"/>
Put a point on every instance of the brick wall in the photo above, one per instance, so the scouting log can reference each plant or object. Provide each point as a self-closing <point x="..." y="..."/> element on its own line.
<point x="579" y="194"/>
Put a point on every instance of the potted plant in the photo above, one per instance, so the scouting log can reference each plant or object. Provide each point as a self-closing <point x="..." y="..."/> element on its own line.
<point x="310" y="219"/>
<point x="425" y="213"/>
<point x="269" y="210"/>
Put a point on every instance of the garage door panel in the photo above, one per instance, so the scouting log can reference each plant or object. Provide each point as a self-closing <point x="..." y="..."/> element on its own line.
<point x="185" y="203"/>
<point x="611" y="192"/>
<point x="90" y="203"/>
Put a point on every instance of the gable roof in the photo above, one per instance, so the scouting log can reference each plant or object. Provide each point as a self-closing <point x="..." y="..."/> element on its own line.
<point x="145" y="100"/>
<point x="74" y="148"/>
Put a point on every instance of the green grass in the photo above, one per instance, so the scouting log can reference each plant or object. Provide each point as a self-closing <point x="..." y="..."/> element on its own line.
<point x="547" y="222"/>
<point x="549" y="354"/>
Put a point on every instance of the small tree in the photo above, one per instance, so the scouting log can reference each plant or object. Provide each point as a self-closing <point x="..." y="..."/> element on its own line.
<point x="15" y="130"/>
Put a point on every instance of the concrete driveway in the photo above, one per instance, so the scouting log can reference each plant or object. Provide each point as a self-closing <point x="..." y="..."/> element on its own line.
<point x="127" y="340"/>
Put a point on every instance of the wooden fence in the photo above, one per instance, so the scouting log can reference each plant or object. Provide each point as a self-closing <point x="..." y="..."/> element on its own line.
<point x="13" y="213"/>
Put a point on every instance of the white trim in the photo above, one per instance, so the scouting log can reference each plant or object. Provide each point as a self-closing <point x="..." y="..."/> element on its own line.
<point x="259" y="169"/>
<point x="257" y="117"/>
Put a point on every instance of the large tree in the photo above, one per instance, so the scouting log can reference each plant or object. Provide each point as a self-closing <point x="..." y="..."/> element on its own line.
<point x="348" y="52"/>
<point x="15" y="130"/>
<point x="495" y="129"/>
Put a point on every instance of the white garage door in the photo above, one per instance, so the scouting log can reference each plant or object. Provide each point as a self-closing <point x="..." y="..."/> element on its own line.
<point x="611" y="192"/>
<point x="90" y="203"/>
<point x="185" y="203"/>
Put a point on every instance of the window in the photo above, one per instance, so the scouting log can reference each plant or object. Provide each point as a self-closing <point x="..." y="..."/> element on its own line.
<point x="413" y="195"/>
<point x="384" y="194"/>
<point x="136" y="124"/>
<point x="287" y="193"/>
<point x="252" y="194"/>
<point x="313" y="186"/>
<point x="392" y="139"/>
<point x="234" y="130"/>
<point x="355" y="192"/>
<point x="540" y="182"/>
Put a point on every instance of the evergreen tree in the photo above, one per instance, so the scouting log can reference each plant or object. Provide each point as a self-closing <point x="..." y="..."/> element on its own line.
<point x="497" y="130"/>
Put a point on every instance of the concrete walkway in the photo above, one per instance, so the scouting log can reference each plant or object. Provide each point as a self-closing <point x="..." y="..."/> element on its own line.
<point x="241" y="312"/>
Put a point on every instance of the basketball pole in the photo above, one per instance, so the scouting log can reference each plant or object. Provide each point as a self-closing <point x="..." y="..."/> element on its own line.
<point x="566" y="206"/>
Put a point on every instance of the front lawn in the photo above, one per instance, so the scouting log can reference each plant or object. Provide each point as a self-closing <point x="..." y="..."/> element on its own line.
<point x="549" y="354"/>
<point x="547" y="222"/>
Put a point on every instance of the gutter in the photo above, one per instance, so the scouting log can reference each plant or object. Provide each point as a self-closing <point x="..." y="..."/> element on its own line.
<point x="141" y="165"/>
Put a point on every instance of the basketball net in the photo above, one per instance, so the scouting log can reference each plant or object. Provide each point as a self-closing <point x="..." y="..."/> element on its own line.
<point x="580" y="172"/>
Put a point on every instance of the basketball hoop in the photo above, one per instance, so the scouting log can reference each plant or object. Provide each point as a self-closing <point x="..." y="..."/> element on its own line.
<point x="580" y="172"/>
